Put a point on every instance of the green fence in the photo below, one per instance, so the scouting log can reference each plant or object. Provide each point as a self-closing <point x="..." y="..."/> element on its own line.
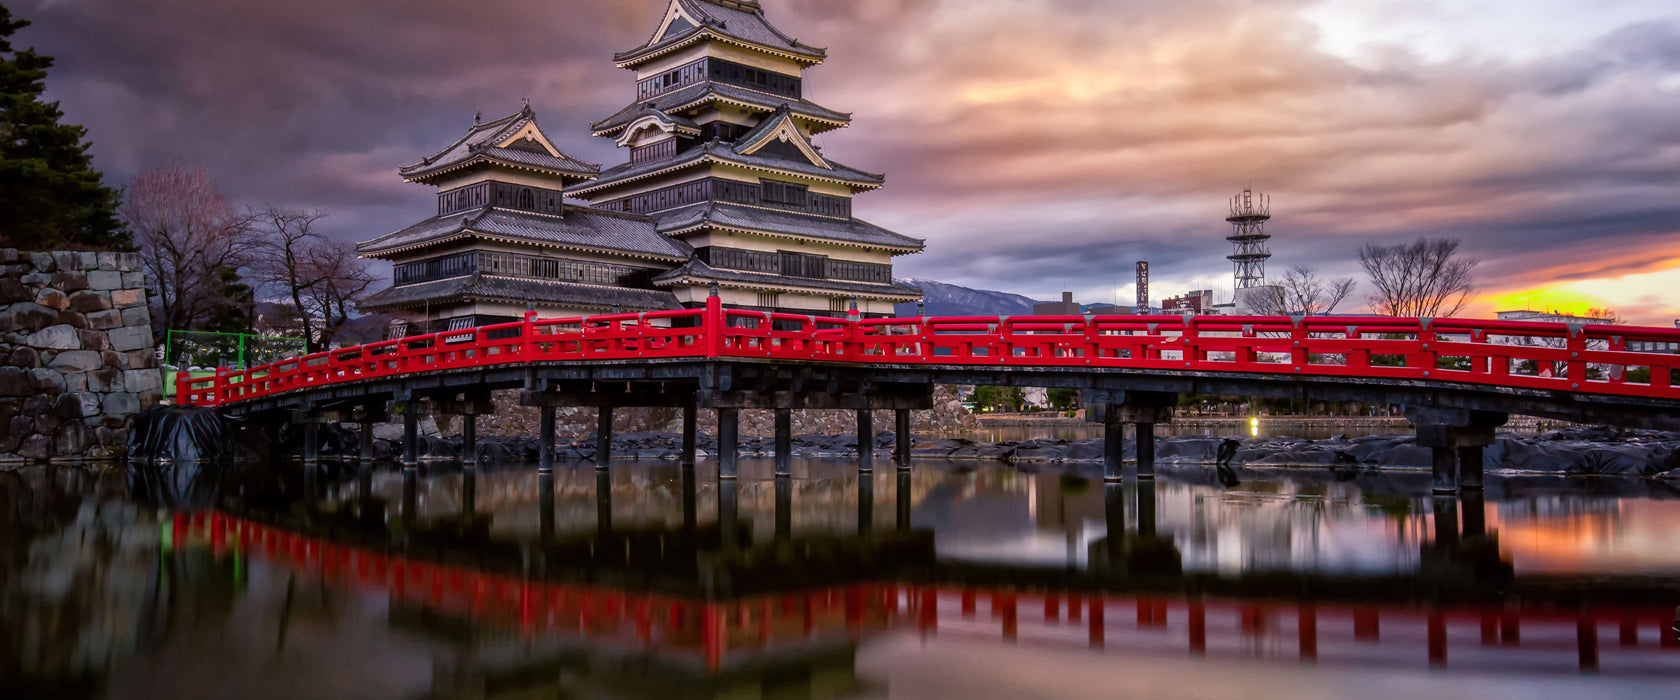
<point x="199" y="353"/>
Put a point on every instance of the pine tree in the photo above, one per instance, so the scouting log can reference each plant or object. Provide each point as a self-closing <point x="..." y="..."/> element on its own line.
<point x="50" y="195"/>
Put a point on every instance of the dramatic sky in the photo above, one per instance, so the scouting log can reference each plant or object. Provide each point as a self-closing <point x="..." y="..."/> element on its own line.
<point x="1038" y="145"/>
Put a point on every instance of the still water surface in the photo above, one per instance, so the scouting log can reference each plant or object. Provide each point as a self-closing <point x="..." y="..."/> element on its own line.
<point x="953" y="580"/>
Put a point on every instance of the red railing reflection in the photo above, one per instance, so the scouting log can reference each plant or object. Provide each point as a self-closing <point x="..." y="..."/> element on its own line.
<point x="1547" y="356"/>
<point x="1488" y="636"/>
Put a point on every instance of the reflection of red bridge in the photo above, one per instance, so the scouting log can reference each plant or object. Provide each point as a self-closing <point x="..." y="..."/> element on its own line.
<point x="1612" y="640"/>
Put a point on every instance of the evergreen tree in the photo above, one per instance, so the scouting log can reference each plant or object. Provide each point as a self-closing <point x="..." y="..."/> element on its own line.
<point x="50" y="195"/>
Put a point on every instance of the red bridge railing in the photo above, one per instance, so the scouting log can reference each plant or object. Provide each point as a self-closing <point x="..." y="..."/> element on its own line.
<point x="1594" y="359"/>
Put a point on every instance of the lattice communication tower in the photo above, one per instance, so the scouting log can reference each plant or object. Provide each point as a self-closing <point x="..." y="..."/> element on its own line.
<point x="1250" y="211"/>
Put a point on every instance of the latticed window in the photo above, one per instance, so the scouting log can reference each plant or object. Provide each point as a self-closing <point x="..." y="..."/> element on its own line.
<point x="769" y="300"/>
<point x="396" y="331"/>
<point x="462" y="323"/>
<point x="837" y="304"/>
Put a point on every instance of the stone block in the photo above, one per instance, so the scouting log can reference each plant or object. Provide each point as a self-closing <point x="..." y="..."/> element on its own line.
<point x="75" y="382"/>
<point x="53" y="299"/>
<point x="46" y="424"/>
<point x="127" y="298"/>
<point x="105" y="280"/>
<point x="141" y="359"/>
<point x="128" y="262"/>
<point x="134" y="280"/>
<point x="107" y="261"/>
<point x="143" y="381"/>
<point x="24" y="357"/>
<point x="94" y="340"/>
<point x="36" y="447"/>
<point x="105" y="380"/>
<point x="123" y="404"/>
<point x="29" y="316"/>
<point x="47" y="381"/>
<point x="77" y="361"/>
<point x="8" y="255"/>
<point x="69" y="281"/>
<point x="88" y="301"/>
<point x="105" y="320"/>
<point x="72" y="319"/>
<point x="88" y="260"/>
<point x="43" y="262"/>
<point x="37" y="279"/>
<point x="137" y="316"/>
<point x="66" y="260"/>
<point x="59" y="337"/>
<point x="15" y="381"/>
<point x="36" y="404"/>
<point x="133" y="338"/>
<point x="87" y="402"/>
<point x="13" y="291"/>
<point x="114" y="359"/>
<point x="71" y="440"/>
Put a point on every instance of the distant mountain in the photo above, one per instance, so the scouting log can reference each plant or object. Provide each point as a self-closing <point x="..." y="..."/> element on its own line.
<point x="953" y="300"/>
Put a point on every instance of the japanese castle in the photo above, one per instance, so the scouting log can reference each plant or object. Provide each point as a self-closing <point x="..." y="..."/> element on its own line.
<point x="723" y="188"/>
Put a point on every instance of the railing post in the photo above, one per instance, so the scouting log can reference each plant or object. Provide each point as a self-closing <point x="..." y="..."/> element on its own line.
<point x="714" y="325"/>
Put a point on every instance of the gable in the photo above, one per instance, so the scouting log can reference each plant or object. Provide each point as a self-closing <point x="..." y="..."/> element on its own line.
<point x="677" y="20"/>
<point x="783" y="139"/>
<point x="530" y="139"/>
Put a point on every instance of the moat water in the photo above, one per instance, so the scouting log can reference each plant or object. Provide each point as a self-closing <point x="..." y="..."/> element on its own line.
<point x="949" y="580"/>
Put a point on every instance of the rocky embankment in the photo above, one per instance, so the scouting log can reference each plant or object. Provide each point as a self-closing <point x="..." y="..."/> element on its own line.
<point x="1581" y="451"/>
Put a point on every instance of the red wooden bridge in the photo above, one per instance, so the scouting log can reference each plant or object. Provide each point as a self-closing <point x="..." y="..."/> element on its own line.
<point x="1458" y="378"/>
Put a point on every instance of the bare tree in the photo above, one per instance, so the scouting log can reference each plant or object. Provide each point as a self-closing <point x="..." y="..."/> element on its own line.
<point x="343" y="281"/>
<point x="320" y="281"/>
<point x="190" y="237"/>
<point x="1302" y="291"/>
<point x="1426" y="277"/>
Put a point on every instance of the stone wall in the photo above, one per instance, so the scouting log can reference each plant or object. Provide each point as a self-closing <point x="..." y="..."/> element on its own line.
<point x="513" y="420"/>
<point x="76" y="354"/>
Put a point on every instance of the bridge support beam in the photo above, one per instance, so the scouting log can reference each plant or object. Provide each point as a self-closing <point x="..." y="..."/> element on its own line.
<point x="729" y="442"/>
<point x="905" y="440"/>
<point x="784" y="442"/>
<point x="1455" y="438"/>
<point x="604" y="437"/>
<point x="866" y="440"/>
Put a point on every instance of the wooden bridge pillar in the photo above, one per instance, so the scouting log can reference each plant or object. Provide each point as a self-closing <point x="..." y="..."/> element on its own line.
<point x="545" y="443"/>
<point x="1446" y="522"/>
<point x="469" y="442"/>
<point x="1455" y="438"/>
<point x="545" y="505"/>
<point x="1144" y="410"/>
<point x="311" y="456"/>
<point x="866" y="440"/>
<point x="904" y="439"/>
<point x="1475" y="515"/>
<point x="784" y="442"/>
<point x="729" y="442"/>
<point x="603" y="437"/>
<point x="1146" y="509"/>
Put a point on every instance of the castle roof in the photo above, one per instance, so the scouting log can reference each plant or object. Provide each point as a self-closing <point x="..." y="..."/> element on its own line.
<point x="738" y="22"/>
<point x="696" y="271"/>
<point x="542" y="292"/>
<point x="817" y="117"/>
<point x="719" y="151"/>
<point x="580" y="229"/>
<point x="513" y="141"/>
<point x="785" y="224"/>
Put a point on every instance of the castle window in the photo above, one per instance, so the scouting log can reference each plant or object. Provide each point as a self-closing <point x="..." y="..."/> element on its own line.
<point x="527" y="199"/>
<point x="769" y="300"/>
